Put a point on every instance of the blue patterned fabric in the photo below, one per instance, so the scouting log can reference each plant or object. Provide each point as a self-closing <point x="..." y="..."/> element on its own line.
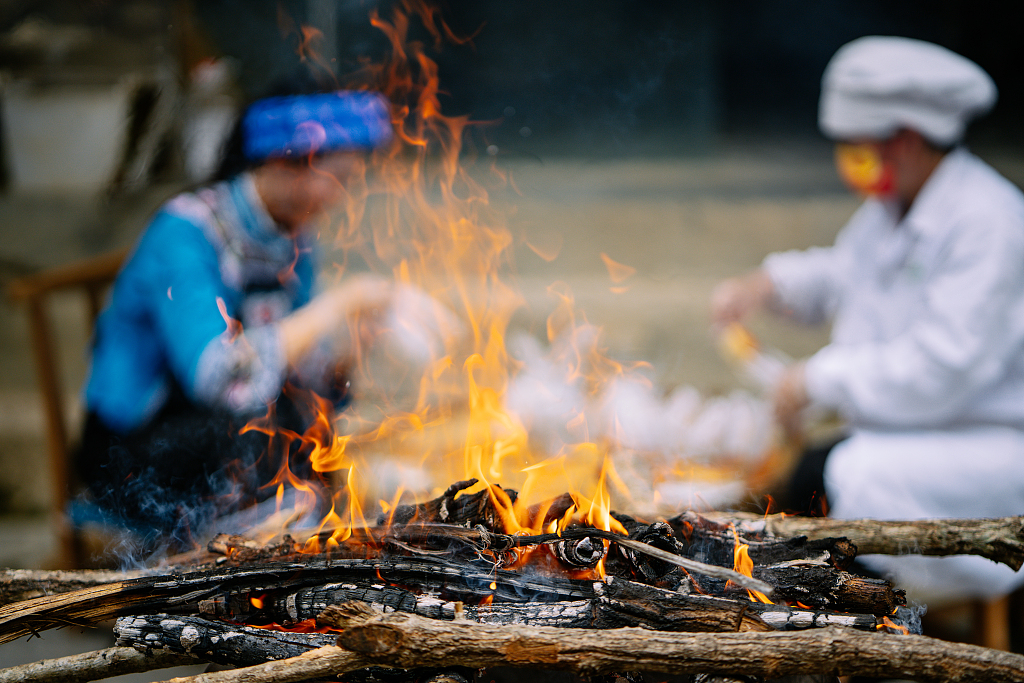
<point x="298" y="125"/>
<point x="207" y="258"/>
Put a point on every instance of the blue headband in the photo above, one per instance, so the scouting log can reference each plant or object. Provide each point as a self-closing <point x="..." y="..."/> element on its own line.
<point x="297" y="125"/>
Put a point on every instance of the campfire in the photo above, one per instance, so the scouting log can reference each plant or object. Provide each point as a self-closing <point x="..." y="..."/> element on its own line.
<point x="441" y="591"/>
<point x="523" y="561"/>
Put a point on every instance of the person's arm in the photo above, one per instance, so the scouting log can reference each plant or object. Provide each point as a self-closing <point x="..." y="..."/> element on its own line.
<point x="966" y="333"/>
<point x="215" y="361"/>
<point x="348" y="312"/>
<point x="735" y="299"/>
<point x="804" y="285"/>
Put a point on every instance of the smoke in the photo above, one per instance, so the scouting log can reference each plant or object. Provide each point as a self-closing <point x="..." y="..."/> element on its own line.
<point x="165" y="486"/>
<point x="910" y="616"/>
<point x="652" y="431"/>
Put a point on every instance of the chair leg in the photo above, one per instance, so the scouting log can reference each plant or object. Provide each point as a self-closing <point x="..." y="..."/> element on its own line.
<point x="992" y="623"/>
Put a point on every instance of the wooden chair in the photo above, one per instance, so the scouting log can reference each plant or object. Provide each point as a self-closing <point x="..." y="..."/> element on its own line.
<point x="91" y="276"/>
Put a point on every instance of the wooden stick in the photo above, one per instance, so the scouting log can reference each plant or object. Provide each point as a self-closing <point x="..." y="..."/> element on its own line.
<point x="22" y="584"/>
<point x="740" y="580"/>
<point x="92" y="666"/>
<point x="999" y="539"/>
<point x="409" y="641"/>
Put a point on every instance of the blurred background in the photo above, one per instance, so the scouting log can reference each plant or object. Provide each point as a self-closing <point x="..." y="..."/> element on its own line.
<point x="677" y="138"/>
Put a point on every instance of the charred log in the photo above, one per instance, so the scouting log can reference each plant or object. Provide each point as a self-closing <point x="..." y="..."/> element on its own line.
<point x="183" y="592"/>
<point x="214" y="641"/>
<point x="452" y="508"/>
<point x="583" y="553"/>
<point x="713" y="541"/>
<point x="822" y="587"/>
<point x="618" y="603"/>
<point x="648" y="557"/>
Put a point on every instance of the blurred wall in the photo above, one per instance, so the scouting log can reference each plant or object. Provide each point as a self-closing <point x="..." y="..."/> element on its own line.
<point x="610" y="75"/>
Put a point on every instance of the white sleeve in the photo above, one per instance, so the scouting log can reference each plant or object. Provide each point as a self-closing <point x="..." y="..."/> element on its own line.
<point x="804" y="282"/>
<point x="808" y="283"/>
<point x="962" y="339"/>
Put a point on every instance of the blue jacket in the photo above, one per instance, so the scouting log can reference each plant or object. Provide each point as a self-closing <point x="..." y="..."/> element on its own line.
<point x="196" y="304"/>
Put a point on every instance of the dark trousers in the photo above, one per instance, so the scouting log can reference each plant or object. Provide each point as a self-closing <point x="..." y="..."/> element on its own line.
<point x="169" y="479"/>
<point x="805" y="492"/>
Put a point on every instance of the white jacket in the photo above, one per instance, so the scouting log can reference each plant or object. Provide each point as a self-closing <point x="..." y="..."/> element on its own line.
<point x="926" y="362"/>
<point x="928" y="312"/>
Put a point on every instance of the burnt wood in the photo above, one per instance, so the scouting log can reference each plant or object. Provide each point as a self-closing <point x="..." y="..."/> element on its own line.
<point x="820" y="586"/>
<point x="183" y="592"/>
<point x="616" y="604"/>
<point x="714" y="540"/>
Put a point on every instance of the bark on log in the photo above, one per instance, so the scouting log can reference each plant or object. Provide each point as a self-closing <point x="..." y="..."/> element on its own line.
<point x="999" y="539"/>
<point x="93" y="666"/>
<point x="407" y="641"/>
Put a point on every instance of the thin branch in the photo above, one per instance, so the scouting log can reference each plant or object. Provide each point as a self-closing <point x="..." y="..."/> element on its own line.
<point x="93" y="666"/>
<point x="1000" y="539"/>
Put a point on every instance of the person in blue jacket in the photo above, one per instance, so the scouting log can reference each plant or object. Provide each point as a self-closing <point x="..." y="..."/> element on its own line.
<point x="213" y="313"/>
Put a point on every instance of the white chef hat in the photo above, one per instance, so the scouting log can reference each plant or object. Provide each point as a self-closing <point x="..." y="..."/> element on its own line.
<point x="876" y="85"/>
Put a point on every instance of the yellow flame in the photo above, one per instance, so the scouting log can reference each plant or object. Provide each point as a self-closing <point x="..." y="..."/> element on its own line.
<point x="744" y="565"/>
<point x="425" y="218"/>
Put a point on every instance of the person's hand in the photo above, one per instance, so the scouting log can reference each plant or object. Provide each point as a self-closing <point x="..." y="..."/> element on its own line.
<point x="358" y="307"/>
<point x="790" y="398"/>
<point x="351" y="314"/>
<point x="420" y="326"/>
<point x="361" y="295"/>
<point x="733" y="300"/>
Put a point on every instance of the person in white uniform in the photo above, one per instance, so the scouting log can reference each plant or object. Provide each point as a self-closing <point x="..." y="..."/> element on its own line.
<point x="924" y="288"/>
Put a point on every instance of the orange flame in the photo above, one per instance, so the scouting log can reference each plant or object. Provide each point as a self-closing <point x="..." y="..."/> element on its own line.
<point x="892" y="627"/>
<point x="618" y="272"/>
<point x="744" y="565"/>
<point x="421" y="215"/>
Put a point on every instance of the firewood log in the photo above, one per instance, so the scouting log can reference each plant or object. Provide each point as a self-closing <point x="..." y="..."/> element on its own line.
<point x="999" y="539"/>
<point x="408" y="640"/>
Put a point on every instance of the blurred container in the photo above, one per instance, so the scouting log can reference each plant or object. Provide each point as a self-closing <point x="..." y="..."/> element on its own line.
<point x="64" y="136"/>
<point x="210" y="113"/>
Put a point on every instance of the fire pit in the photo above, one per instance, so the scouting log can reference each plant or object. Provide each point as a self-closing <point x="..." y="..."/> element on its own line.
<point x="441" y="588"/>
